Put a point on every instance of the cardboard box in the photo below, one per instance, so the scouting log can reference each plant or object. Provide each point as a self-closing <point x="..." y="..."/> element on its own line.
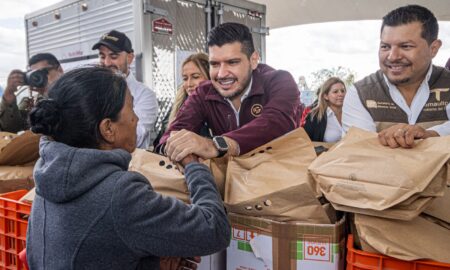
<point x="263" y="244"/>
<point x="216" y="261"/>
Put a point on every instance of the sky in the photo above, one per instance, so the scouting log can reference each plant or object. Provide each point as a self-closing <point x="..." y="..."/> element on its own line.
<point x="300" y="50"/>
<point x="307" y="48"/>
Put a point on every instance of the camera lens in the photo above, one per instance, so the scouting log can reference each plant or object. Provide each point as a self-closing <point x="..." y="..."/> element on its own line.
<point x="36" y="78"/>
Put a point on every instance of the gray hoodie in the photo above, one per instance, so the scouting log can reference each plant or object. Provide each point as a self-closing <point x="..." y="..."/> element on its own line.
<point x="91" y="213"/>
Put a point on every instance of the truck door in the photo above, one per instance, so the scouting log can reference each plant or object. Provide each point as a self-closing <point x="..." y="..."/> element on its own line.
<point x="247" y="13"/>
<point x="68" y="29"/>
<point x="177" y="29"/>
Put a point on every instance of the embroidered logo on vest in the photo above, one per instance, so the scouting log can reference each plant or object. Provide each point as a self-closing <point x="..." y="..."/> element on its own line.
<point x="373" y="104"/>
<point x="438" y="91"/>
<point x="256" y="110"/>
<point x="440" y="101"/>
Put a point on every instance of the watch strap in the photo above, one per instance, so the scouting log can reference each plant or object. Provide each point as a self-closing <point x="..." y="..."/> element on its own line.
<point x="222" y="151"/>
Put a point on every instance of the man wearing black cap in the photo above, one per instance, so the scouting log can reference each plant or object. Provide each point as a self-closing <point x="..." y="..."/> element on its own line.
<point x="116" y="52"/>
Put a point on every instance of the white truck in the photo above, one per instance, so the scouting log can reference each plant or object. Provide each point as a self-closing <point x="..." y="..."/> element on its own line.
<point x="163" y="33"/>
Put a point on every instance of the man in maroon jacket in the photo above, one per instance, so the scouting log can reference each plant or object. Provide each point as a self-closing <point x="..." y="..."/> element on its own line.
<point x="245" y="104"/>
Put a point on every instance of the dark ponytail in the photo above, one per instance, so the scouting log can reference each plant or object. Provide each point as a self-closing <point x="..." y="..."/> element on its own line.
<point x="45" y="118"/>
<point x="77" y="102"/>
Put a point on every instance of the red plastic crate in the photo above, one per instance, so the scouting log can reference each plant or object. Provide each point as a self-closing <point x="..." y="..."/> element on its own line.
<point x="361" y="260"/>
<point x="13" y="229"/>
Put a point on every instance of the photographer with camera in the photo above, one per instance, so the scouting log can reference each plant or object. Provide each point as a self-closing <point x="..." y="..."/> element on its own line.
<point x="44" y="69"/>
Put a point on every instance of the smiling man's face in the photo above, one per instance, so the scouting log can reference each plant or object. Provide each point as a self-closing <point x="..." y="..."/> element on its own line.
<point x="231" y="69"/>
<point x="404" y="55"/>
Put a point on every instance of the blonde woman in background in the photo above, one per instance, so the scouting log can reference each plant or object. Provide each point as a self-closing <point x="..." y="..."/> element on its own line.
<point x="195" y="69"/>
<point x="323" y="123"/>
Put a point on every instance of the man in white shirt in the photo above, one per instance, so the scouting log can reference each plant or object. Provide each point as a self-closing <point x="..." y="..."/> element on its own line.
<point x="408" y="98"/>
<point x="116" y="52"/>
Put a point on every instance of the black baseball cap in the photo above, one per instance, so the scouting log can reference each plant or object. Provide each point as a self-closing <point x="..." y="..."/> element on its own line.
<point x="116" y="41"/>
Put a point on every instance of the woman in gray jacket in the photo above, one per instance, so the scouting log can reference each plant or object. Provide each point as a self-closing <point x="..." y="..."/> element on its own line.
<point x="90" y="212"/>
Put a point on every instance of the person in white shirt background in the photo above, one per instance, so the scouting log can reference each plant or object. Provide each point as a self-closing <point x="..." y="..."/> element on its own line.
<point x="408" y="98"/>
<point x="323" y="123"/>
<point x="116" y="52"/>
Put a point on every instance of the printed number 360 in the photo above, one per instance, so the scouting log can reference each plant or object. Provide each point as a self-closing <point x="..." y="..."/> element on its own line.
<point x="315" y="250"/>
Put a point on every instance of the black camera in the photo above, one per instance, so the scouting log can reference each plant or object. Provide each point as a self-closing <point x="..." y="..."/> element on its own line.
<point x="36" y="78"/>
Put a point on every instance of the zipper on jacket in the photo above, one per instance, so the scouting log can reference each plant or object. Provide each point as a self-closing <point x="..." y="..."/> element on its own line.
<point x="229" y="123"/>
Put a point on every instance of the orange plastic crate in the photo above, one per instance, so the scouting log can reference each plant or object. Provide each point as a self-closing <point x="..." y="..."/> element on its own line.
<point x="361" y="260"/>
<point x="13" y="229"/>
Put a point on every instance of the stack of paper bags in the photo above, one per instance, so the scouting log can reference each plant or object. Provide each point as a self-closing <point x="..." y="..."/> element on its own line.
<point x="272" y="181"/>
<point x="397" y="194"/>
<point x="18" y="153"/>
<point x="360" y="175"/>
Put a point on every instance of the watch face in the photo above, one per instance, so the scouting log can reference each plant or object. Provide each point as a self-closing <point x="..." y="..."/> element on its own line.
<point x="220" y="142"/>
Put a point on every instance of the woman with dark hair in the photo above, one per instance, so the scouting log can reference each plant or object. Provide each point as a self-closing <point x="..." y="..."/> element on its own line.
<point x="90" y="212"/>
<point x="323" y="123"/>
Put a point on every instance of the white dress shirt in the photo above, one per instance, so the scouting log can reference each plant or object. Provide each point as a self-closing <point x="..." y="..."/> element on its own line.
<point x="146" y="107"/>
<point x="333" y="131"/>
<point x="356" y="115"/>
<point x="244" y="96"/>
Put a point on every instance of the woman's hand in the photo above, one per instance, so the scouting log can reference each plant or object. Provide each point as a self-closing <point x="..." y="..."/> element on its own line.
<point x="188" y="159"/>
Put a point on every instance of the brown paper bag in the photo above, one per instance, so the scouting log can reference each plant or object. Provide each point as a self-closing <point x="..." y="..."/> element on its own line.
<point x="359" y="172"/>
<point x="218" y="167"/>
<point x="162" y="174"/>
<point x="165" y="176"/>
<point x="437" y="221"/>
<point x="402" y="211"/>
<point x="297" y="203"/>
<point x="405" y="240"/>
<point x="273" y="181"/>
<point x="13" y="178"/>
<point x="6" y="137"/>
<point x="18" y="149"/>
<point x="407" y="209"/>
<point x="440" y="207"/>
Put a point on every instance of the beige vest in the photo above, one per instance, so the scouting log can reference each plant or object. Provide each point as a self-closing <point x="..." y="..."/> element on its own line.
<point x="374" y="94"/>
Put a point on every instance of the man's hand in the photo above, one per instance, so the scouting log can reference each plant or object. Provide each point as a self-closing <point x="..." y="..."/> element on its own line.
<point x="403" y="135"/>
<point x="182" y="143"/>
<point x="15" y="79"/>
